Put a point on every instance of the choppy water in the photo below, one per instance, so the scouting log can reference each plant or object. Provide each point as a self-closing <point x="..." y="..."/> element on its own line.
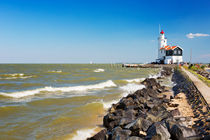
<point x="61" y="101"/>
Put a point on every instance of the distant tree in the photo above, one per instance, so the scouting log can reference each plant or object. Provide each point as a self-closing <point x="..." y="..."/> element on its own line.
<point x="203" y="67"/>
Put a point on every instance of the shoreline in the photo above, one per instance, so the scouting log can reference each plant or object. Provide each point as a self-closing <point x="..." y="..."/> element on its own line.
<point x="151" y="113"/>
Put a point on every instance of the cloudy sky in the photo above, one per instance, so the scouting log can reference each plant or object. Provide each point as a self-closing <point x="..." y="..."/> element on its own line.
<point x="102" y="31"/>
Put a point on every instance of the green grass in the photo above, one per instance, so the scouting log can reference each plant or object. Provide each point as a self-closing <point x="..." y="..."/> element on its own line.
<point x="204" y="79"/>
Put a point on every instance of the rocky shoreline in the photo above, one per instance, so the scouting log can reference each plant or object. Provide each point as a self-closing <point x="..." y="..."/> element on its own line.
<point x="151" y="114"/>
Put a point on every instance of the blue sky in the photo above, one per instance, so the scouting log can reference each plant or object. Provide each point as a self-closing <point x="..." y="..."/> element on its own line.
<point x="102" y="31"/>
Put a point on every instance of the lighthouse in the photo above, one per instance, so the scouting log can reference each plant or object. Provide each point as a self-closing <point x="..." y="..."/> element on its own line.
<point x="168" y="54"/>
<point x="162" y="42"/>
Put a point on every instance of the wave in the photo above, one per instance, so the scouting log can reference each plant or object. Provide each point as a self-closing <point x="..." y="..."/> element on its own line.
<point x="107" y="105"/>
<point x="155" y="76"/>
<point x="135" y="80"/>
<point x="15" y="76"/>
<point x="131" y="88"/>
<point x="99" y="70"/>
<point x="102" y="85"/>
<point x="128" y="89"/>
<point x="84" y="134"/>
<point x="55" y="71"/>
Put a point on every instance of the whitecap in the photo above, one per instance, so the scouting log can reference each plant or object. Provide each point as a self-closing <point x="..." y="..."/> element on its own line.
<point x="127" y="89"/>
<point x="107" y="105"/>
<point x="55" y="71"/>
<point x="131" y="88"/>
<point x="135" y="80"/>
<point x="21" y="94"/>
<point x="83" y="134"/>
<point x="155" y="76"/>
<point x="14" y="76"/>
<point x="99" y="70"/>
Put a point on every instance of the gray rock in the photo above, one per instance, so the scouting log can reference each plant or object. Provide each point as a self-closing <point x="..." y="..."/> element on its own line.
<point x="139" y="124"/>
<point x="180" y="132"/>
<point x="102" y="135"/>
<point x="120" y="134"/>
<point x="125" y="121"/>
<point x="175" y="112"/>
<point x="134" y="138"/>
<point x="158" y="131"/>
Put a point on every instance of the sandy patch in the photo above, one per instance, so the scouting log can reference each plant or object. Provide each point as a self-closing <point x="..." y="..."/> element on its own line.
<point x="184" y="108"/>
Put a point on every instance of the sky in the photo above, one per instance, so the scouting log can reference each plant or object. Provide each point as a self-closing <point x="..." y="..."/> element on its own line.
<point x="101" y="31"/>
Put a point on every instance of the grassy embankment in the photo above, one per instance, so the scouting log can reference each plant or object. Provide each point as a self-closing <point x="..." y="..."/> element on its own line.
<point x="204" y="79"/>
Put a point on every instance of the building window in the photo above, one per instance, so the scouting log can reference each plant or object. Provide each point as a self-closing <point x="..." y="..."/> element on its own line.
<point x="179" y="51"/>
<point x="175" y="52"/>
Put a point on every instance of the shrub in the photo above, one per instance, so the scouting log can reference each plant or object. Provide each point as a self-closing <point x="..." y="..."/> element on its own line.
<point x="189" y="67"/>
<point x="194" y="68"/>
<point x="203" y="67"/>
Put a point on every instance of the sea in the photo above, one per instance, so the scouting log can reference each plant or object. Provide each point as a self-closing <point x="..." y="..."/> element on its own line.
<point x="62" y="101"/>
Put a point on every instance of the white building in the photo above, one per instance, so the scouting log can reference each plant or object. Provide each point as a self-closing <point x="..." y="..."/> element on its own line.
<point x="168" y="54"/>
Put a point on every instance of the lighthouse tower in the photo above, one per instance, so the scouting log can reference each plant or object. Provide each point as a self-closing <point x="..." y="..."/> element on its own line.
<point x="162" y="42"/>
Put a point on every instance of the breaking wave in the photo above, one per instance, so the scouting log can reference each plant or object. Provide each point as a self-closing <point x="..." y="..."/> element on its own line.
<point x="15" y="76"/>
<point x="107" y="105"/>
<point x="99" y="70"/>
<point x="102" y="85"/>
<point x="155" y="76"/>
<point x="131" y="88"/>
<point x="135" y="80"/>
<point x="55" y="71"/>
<point x="84" y="134"/>
<point x="127" y="89"/>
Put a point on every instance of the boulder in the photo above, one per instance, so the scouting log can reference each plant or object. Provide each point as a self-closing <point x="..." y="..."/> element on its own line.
<point x="125" y="102"/>
<point x="151" y="83"/>
<point x="102" y="135"/>
<point x="158" y="131"/>
<point x="180" y="132"/>
<point x="134" y="138"/>
<point x="120" y="134"/>
<point x="175" y="112"/>
<point x="110" y="121"/>
<point x="139" y="124"/>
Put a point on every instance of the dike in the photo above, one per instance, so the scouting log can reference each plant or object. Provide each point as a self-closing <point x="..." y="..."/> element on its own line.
<point x="151" y="114"/>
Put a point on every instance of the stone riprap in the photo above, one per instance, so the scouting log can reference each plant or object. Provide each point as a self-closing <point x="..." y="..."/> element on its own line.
<point x="144" y="115"/>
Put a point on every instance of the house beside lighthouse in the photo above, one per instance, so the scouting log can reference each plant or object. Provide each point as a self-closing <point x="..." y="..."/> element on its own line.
<point x="168" y="54"/>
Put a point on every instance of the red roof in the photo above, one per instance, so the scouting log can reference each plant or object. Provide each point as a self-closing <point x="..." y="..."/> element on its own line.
<point x="173" y="47"/>
<point x="168" y="47"/>
<point x="162" y="32"/>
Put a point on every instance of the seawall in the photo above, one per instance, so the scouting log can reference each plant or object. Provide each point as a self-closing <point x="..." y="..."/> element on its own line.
<point x="157" y="113"/>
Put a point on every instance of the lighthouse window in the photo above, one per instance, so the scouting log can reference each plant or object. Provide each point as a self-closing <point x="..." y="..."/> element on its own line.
<point x="179" y="51"/>
<point x="175" y="52"/>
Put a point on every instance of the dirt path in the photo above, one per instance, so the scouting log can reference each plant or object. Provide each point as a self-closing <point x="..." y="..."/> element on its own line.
<point x="202" y="87"/>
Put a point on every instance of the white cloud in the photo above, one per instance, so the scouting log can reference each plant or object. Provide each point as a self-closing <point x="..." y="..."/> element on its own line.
<point x="191" y="35"/>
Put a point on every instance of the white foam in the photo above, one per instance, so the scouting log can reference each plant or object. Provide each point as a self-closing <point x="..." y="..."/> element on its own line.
<point x="83" y="134"/>
<point x="99" y="70"/>
<point x="14" y="76"/>
<point x="102" y="85"/>
<point x="55" y="71"/>
<point x="135" y="80"/>
<point x="155" y="76"/>
<point x="130" y="88"/>
<point x="107" y="105"/>
<point x="127" y="89"/>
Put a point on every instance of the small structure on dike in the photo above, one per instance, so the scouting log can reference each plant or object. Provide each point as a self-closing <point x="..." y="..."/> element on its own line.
<point x="168" y="54"/>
